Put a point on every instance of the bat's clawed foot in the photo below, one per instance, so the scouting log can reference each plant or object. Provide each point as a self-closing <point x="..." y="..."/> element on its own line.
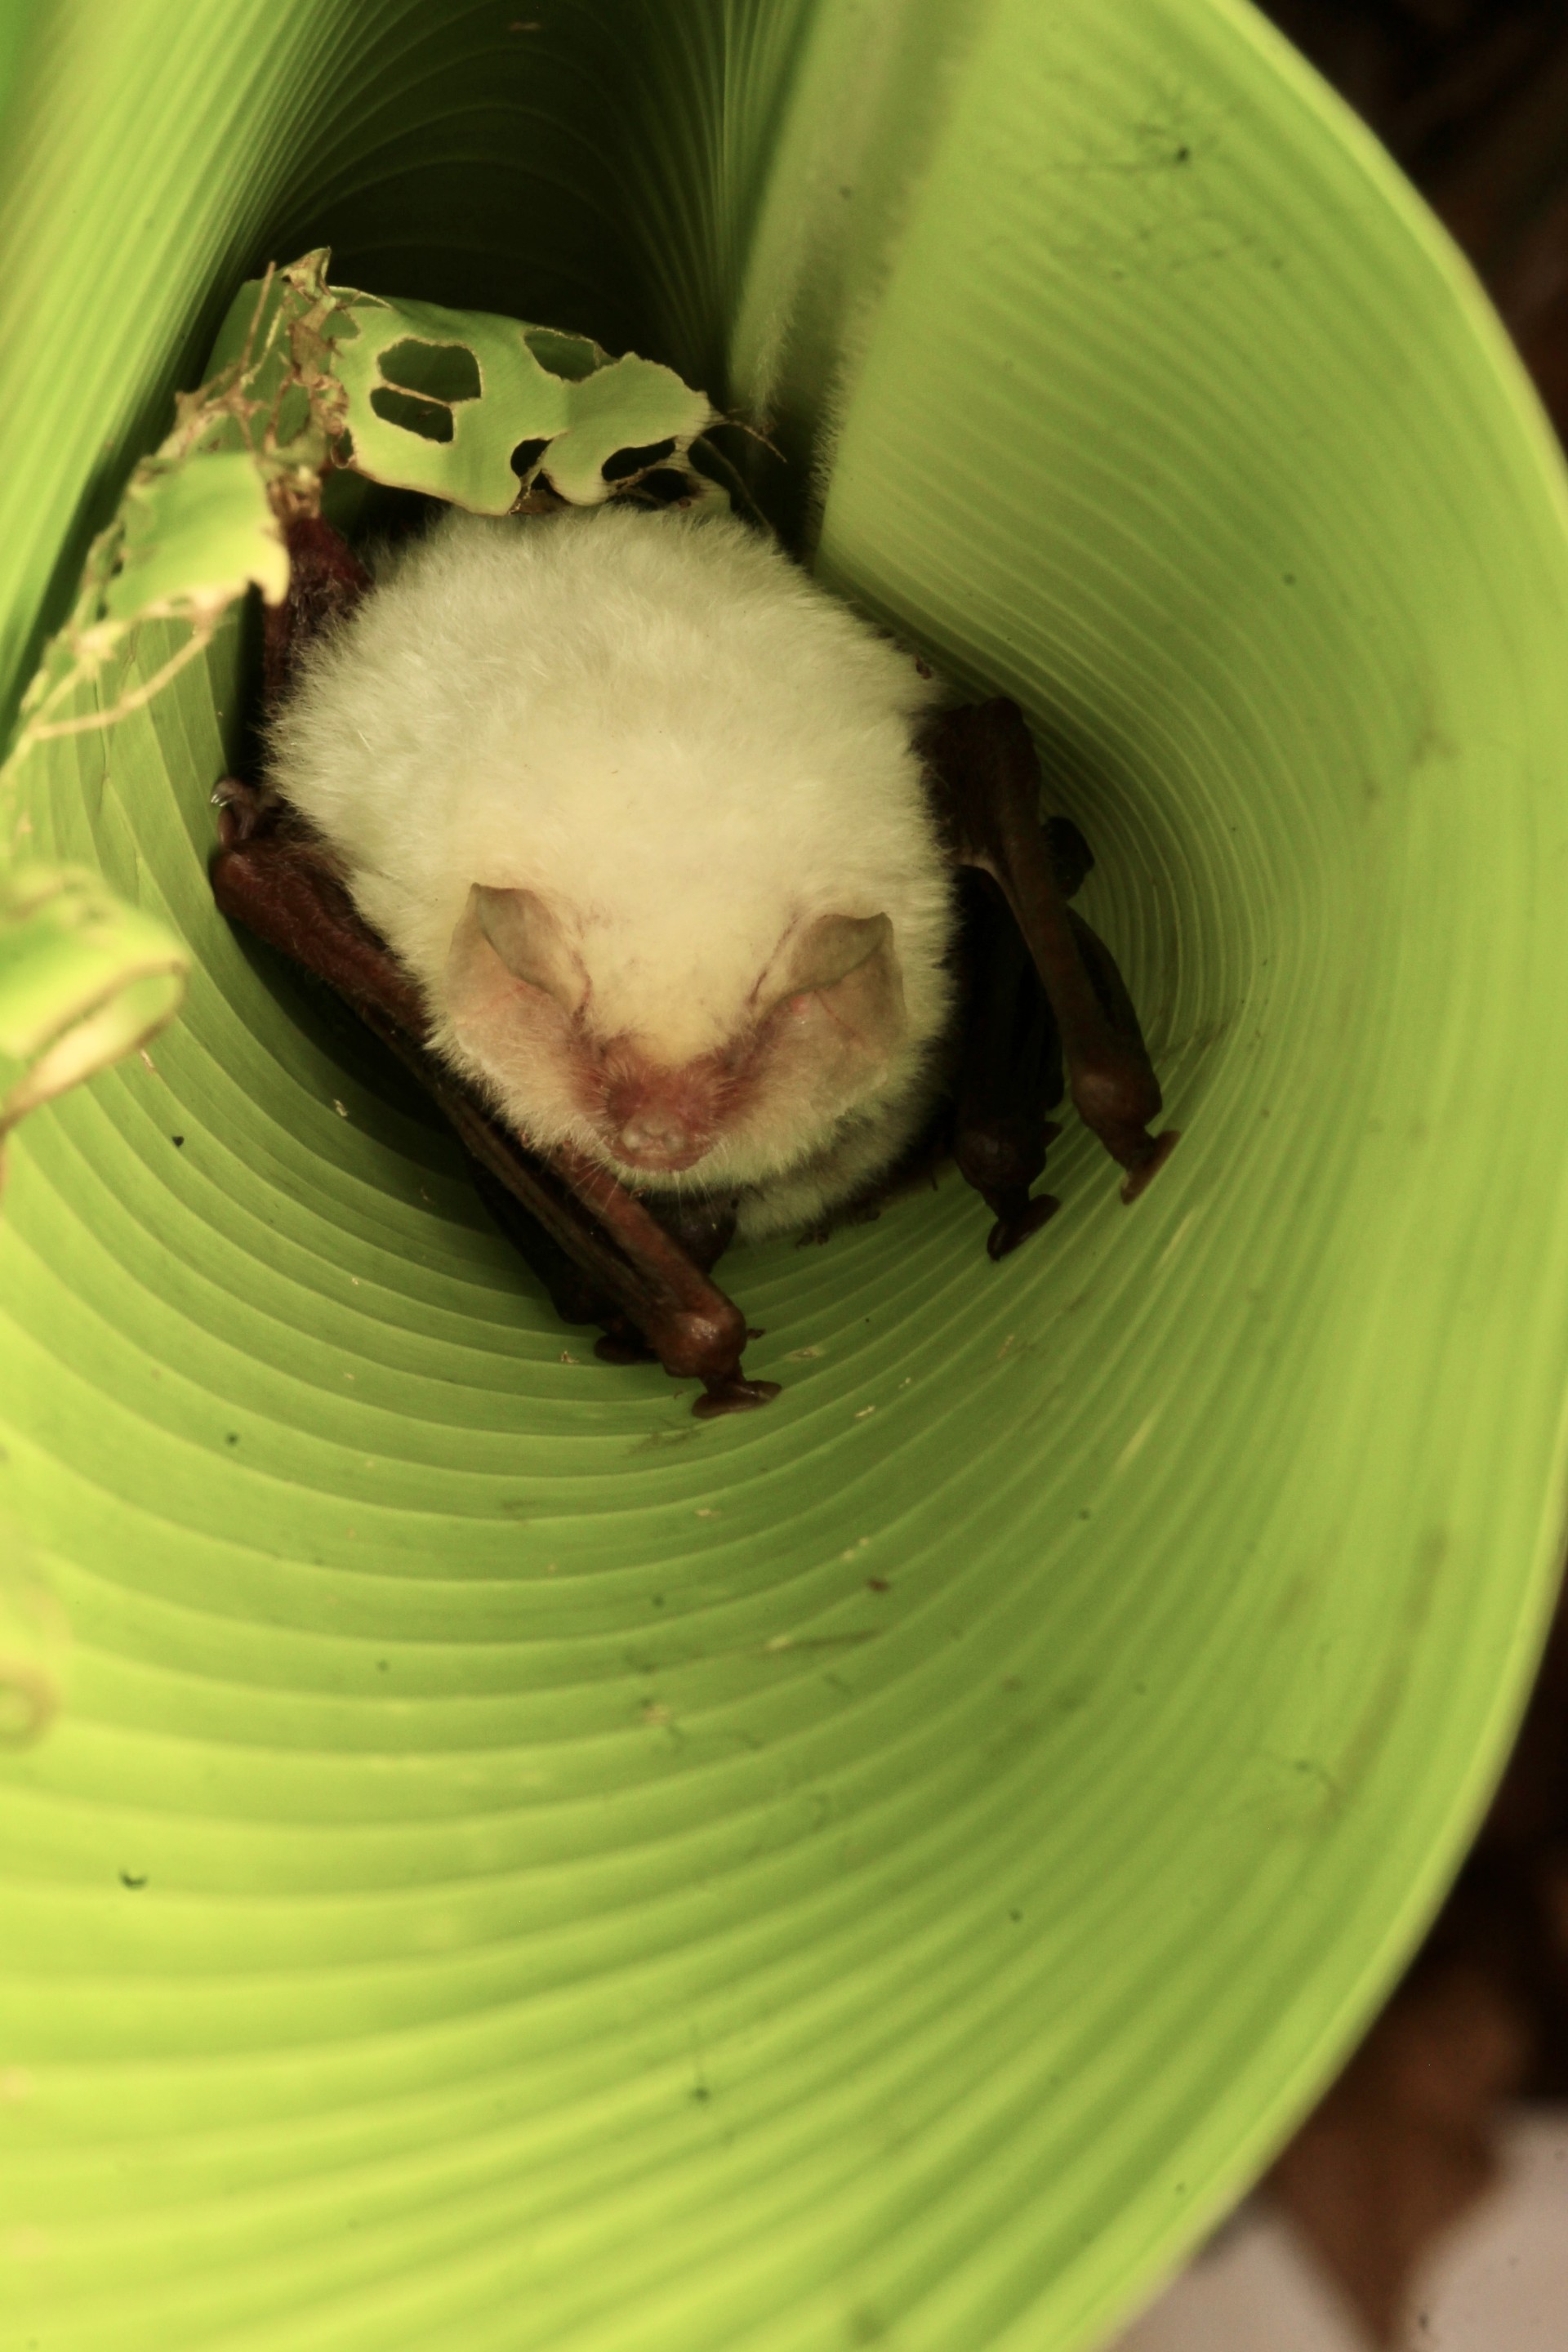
<point x="729" y="1393"/>
<point x="1142" y="1171"/>
<point x="1016" y="1219"/>
<point x="1001" y="1156"/>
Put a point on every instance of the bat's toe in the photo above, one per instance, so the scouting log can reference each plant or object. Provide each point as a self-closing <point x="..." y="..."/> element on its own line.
<point x="1138" y="1177"/>
<point x="1015" y="1222"/>
<point x="731" y="1393"/>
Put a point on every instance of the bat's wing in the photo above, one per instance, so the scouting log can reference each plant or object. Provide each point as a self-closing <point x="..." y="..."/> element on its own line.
<point x="987" y="788"/>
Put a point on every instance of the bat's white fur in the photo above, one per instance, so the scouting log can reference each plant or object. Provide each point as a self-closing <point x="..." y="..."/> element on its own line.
<point x="659" y="726"/>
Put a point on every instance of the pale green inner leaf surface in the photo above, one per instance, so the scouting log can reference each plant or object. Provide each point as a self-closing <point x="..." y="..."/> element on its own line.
<point x="511" y="1869"/>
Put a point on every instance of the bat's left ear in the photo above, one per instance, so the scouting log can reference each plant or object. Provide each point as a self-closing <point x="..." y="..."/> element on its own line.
<point x="529" y="940"/>
<point x="509" y="958"/>
<point x="842" y="982"/>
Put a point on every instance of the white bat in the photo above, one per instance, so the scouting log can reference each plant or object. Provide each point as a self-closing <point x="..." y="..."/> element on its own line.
<point x="639" y="808"/>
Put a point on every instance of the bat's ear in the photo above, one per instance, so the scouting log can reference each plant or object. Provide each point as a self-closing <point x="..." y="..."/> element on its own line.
<point x="503" y="937"/>
<point x="529" y="940"/>
<point x="834" y="946"/>
<point x="843" y="969"/>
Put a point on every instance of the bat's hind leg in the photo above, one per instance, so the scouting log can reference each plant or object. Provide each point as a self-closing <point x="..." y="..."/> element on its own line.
<point x="1128" y="1090"/>
<point x="986" y="787"/>
<point x="1010" y="1071"/>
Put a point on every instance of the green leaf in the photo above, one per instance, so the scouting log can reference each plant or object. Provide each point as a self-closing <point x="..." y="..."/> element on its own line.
<point x="441" y="401"/>
<point x="34" y="1642"/>
<point x="460" y="403"/>
<point x="84" y="978"/>
<point x="196" y="537"/>
<point x="514" y="1871"/>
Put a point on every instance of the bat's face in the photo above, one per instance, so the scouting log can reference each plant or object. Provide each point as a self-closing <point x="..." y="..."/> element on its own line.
<point x="732" y="1065"/>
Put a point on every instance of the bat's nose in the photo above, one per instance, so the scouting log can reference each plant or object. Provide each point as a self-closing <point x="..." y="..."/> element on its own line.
<point x="661" y="1116"/>
<point x="657" y="1138"/>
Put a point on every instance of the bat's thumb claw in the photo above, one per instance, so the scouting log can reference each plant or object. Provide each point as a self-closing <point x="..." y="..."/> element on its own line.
<point x="1138" y="1177"/>
<point x="241" y="810"/>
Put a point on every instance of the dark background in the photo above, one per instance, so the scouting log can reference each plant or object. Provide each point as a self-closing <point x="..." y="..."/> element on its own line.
<point x="1471" y="98"/>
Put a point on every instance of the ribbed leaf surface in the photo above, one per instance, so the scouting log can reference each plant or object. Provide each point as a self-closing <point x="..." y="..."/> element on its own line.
<point x="513" y="1868"/>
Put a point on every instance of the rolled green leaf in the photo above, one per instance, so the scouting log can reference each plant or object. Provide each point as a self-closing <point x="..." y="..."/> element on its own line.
<point x="513" y="1870"/>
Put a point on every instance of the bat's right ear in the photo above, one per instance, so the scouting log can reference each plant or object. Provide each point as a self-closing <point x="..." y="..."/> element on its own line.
<point x="834" y="946"/>
<point x="520" y="928"/>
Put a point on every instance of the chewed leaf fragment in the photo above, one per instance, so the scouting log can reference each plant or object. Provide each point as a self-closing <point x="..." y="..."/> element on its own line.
<point x="84" y="978"/>
<point x="632" y="406"/>
<point x="468" y="459"/>
<point x="188" y="540"/>
<point x="196" y="537"/>
<point x="199" y="522"/>
<point x="488" y="413"/>
<point x="443" y="401"/>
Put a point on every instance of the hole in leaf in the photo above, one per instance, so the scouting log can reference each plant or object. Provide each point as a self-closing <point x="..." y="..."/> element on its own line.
<point x="426" y="418"/>
<point x="526" y="455"/>
<point x="626" y="462"/>
<point x="443" y="372"/>
<point x="665" y="488"/>
<point x="572" y="356"/>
